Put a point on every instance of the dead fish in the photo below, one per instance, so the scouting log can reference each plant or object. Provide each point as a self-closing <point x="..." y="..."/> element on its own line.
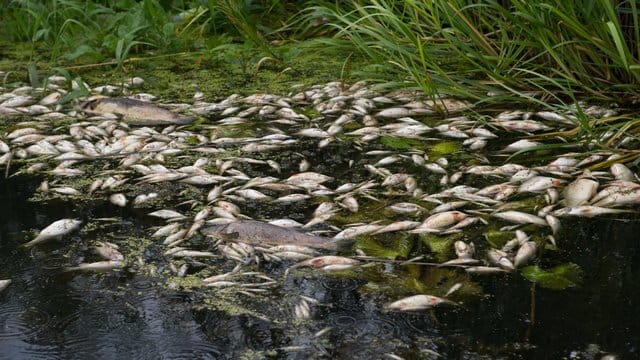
<point x="118" y="199"/>
<point x="259" y="233"/>
<point x="519" y="217"/>
<point x="96" y="266"/>
<point x="539" y="183"/>
<point x="304" y="178"/>
<point x="520" y="145"/>
<point x="108" y="251"/>
<point x="406" y="208"/>
<point x="4" y="284"/>
<point x="287" y="199"/>
<point x="464" y="250"/>
<point x="57" y="229"/>
<point x="167" y="214"/>
<point x="350" y="203"/>
<point x="328" y="262"/>
<point x="523" y="125"/>
<point x="554" y="223"/>
<point x="500" y="258"/>
<point x="397" y="226"/>
<point x="66" y="190"/>
<point x="448" y="206"/>
<point x="191" y="254"/>
<point x="287" y="223"/>
<point x="484" y="270"/>
<point x="620" y="197"/>
<point x="580" y="191"/>
<point x="439" y="221"/>
<point x="135" y="112"/>
<point x="141" y="199"/>
<point x="621" y="172"/>
<point x="166" y="230"/>
<point x="352" y="232"/>
<point x="587" y="211"/>
<point x="418" y="302"/>
<point x="526" y="251"/>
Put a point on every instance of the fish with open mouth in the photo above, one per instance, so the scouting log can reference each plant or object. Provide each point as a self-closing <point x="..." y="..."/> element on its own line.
<point x="256" y="232"/>
<point x="135" y="112"/>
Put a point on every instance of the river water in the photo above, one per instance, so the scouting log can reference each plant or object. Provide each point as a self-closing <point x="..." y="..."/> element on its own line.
<point x="146" y="311"/>
<point x="48" y="315"/>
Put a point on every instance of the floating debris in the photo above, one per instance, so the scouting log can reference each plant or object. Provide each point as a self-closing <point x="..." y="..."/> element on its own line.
<point x="270" y="178"/>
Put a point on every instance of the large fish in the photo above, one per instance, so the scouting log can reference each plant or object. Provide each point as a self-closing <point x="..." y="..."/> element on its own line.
<point x="135" y="112"/>
<point x="256" y="232"/>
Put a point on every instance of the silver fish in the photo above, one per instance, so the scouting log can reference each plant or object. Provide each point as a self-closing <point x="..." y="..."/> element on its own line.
<point x="418" y="302"/>
<point x="96" y="266"/>
<point x="4" y="284"/>
<point x="519" y="217"/>
<point x="57" y="229"/>
<point x="580" y="191"/>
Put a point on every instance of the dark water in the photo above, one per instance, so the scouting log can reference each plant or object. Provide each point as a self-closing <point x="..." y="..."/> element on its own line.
<point x="45" y="314"/>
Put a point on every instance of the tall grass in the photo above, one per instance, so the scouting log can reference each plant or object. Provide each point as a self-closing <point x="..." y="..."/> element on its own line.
<point x="511" y="47"/>
<point x="95" y="31"/>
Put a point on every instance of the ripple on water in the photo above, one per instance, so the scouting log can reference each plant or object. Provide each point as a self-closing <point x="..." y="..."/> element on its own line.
<point x="420" y="322"/>
<point x="19" y="322"/>
<point x="340" y="284"/>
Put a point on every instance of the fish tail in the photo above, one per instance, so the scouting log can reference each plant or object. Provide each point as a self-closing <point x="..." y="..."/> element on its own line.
<point x="342" y="244"/>
<point x="29" y="245"/>
<point x="185" y="120"/>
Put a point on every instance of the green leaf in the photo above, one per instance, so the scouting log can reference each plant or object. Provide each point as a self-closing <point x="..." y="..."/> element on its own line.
<point x="559" y="278"/>
<point x="119" y="48"/>
<point x="33" y="75"/>
<point x="444" y="148"/>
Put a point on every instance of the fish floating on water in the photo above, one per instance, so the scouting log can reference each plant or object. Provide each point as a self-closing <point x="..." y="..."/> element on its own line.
<point x="136" y="112"/>
<point x="4" y="284"/>
<point x="56" y="230"/>
<point x="270" y="133"/>
<point x="259" y="233"/>
<point x="418" y="302"/>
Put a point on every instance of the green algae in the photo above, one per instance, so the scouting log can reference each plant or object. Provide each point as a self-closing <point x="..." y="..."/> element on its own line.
<point x="397" y="246"/>
<point x="441" y="245"/>
<point x="497" y="238"/>
<point x="217" y="73"/>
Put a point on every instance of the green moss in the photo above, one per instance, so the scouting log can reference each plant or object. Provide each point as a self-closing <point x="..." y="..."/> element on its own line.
<point x="217" y="74"/>
<point x="497" y="238"/>
<point x="444" y="148"/>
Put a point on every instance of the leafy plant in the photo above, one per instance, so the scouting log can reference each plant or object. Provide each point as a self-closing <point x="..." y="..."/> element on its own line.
<point x="558" y="278"/>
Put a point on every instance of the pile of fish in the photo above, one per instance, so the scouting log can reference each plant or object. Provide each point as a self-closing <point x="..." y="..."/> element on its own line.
<point x="309" y="160"/>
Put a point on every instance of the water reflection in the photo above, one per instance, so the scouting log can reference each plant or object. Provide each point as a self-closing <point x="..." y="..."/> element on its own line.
<point x="49" y="315"/>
